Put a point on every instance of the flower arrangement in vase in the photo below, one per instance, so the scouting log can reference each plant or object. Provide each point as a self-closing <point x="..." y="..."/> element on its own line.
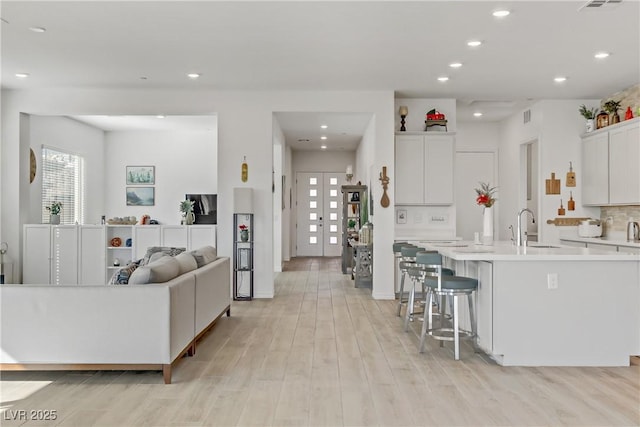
<point x="589" y="114"/>
<point x="485" y="197"/>
<point x="186" y="207"/>
<point x="244" y="233"/>
<point x="54" y="210"/>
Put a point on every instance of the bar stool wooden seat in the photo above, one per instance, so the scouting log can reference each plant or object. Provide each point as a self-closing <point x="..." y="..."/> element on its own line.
<point x="451" y="287"/>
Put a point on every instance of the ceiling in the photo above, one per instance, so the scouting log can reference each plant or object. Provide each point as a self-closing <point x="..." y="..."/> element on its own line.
<point x="329" y="45"/>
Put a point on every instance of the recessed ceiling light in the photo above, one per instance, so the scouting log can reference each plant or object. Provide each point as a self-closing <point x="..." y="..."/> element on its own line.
<point x="474" y="43"/>
<point x="443" y="79"/>
<point x="324" y="126"/>
<point x="193" y="75"/>
<point x="501" y="13"/>
<point x="323" y="137"/>
<point x="22" y="75"/>
<point x="324" y="147"/>
<point x="560" y="79"/>
<point x="160" y="116"/>
<point x="477" y="114"/>
<point x="455" y="65"/>
<point x="37" y="29"/>
<point x="601" y="55"/>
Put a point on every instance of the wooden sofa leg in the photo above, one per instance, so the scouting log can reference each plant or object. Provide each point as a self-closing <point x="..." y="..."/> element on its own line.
<point x="166" y="373"/>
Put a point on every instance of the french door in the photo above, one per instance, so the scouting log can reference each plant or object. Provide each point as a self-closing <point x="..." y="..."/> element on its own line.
<point x="318" y="213"/>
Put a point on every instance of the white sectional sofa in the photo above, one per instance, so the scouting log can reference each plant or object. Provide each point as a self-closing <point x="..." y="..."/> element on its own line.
<point x="95" y="327"/>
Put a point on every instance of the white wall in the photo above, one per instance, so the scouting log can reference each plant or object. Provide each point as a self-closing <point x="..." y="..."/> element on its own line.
<point x="77" y="138"/>
<point x="557" y="126"/>
<point x="186" y="162"/>
<point x="245" y="128"/>
<point x="278" y="173"/>
<point x="288" y="221"/>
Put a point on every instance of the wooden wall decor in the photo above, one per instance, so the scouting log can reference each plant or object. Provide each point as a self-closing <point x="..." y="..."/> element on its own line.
<point x="552" y="186"/>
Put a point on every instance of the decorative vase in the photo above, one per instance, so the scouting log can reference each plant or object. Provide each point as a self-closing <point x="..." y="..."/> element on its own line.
<point x="487" y="226"/>
<point x="591" y="125"/>
<point x="615" y="118"/>
<point x="54" y="219"/>
<point x="628" y="114"/>
<point x="189" y="218"/>
<point x="244" y="235"/>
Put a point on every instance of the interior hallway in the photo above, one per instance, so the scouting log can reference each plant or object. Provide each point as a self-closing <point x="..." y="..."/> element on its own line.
<point x="323" y="353"/>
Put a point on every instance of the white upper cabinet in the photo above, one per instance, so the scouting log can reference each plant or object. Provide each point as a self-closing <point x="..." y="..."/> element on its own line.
<point x="624" y="165"/>
<point x="611" y="159"/>
<point x="424" y="169"/>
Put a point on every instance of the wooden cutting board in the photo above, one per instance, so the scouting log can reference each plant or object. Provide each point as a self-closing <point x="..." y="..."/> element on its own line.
<point x="552" y="186"/>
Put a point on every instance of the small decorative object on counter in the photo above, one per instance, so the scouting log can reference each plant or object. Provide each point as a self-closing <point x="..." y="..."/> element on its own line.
<point x="244" y="233"/>
<point x="589" y="114"/>
<point x="571" y="204"/>
<point x="571" y="176"/>
<point x="404" y="111"/>
<point x="612" y="108"/>
<point x="561" y="210"/>
<point x="602" y="120"/>
<point x="54" y="209"/>
<point x="628" y="115"/>
<point x="485" y="198"/>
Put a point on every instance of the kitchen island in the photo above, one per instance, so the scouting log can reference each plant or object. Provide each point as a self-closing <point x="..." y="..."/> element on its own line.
<point x="552" y="306"/>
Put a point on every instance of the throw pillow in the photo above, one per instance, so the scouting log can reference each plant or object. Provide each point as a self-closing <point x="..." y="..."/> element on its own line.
<point x="164" y="249"/>
<point x="121" y="276"/>
<point x="187" y="262"/>
<point x="205" y="255"/>
<point x="159" y="271"/>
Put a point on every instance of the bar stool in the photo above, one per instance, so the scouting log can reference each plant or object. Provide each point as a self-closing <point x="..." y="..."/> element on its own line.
<point x="417" y="273"/>
<point x="397" y="255"/>
<point x="441" y="285"/>
<point x="407" y="260"/>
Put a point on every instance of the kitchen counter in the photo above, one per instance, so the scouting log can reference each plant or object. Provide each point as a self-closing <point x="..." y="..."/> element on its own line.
<point x="561" y="306"/>
<point x="507" y="251"/>
<point x="603" y="241"/>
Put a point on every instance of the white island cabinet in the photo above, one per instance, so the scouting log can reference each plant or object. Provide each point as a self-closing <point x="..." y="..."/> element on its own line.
<point x="591" y="318"/>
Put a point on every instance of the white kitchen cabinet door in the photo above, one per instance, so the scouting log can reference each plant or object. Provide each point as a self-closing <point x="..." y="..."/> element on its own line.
<point x="175" y="236"/>
<point x="36" y="254"/>
<point x="64" y="251"/>
<point x="409" y="169"/>
<point x="424" y="169"/>
<point x="595" y="164"/>
<point x="438" y="169"/>
<point x="92" y="255"/>
<point x="201" y="235"/>
<point x="624" y="165"/>
<point x="145" y="236"/>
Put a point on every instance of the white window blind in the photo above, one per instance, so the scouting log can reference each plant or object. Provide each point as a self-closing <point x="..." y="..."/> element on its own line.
<point x="63" y="181"/>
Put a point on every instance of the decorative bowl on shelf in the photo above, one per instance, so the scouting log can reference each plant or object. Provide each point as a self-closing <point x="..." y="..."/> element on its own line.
<point x="115" y="242"/>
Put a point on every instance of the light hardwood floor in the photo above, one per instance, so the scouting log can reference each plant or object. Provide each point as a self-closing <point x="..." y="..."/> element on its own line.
<point x="323" y="353"/>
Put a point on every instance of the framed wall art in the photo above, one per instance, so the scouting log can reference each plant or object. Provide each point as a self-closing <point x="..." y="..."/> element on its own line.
<point x="141" y="196"/>
<point x="141" y="175"/>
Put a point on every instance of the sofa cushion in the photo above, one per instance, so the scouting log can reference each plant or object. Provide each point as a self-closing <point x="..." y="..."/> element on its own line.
<point x="121" y="276"/>
<point x="205" y="255"/>
<point x="159" y="271"/>
<point x="187" y="262"/>
<point x="164" y="249"/>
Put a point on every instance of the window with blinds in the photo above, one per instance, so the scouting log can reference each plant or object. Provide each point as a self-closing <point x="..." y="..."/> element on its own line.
<point x="63" y="181"/>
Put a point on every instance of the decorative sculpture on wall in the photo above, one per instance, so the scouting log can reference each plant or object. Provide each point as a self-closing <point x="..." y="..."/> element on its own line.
<point x="384" y="179"/>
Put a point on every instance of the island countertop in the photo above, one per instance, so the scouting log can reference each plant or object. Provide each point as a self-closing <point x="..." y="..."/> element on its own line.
<point x="507" y="251"/>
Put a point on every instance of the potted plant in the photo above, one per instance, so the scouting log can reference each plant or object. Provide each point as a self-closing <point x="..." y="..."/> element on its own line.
<point x="352" y="224"/>
<point x="612" y="107"/>
<point x="589" y="114"/>
<point x="54" y="210"/>
<point x="186" y="207"/>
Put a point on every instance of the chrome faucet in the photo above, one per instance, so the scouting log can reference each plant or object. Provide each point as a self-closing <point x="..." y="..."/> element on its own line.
<point x="519" y="240"/>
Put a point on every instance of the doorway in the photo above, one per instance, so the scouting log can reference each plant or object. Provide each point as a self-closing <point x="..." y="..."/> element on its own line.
<point x="319" y="205"/>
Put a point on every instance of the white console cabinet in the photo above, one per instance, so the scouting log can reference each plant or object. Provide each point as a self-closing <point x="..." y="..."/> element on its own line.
<point x="424" y="168"/>
<point x="72" y="254"/>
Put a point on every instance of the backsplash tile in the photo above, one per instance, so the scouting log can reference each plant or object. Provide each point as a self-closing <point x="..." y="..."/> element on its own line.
<point x="620" y="215"/>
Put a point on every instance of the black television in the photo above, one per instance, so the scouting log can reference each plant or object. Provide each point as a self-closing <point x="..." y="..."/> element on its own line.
<point x="205" y="208"/>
